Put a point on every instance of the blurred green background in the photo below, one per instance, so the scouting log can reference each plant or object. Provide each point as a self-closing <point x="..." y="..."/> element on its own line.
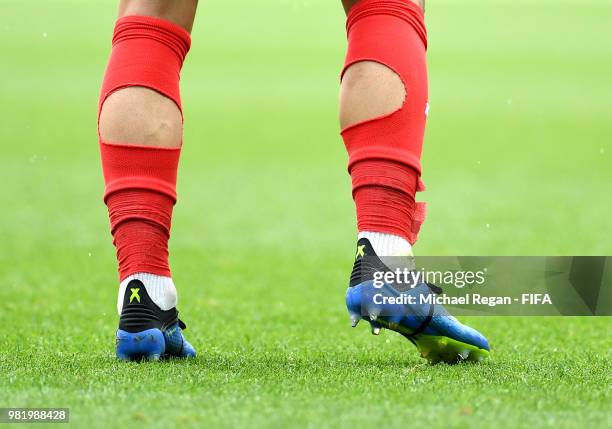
<point x="517" y="161"/>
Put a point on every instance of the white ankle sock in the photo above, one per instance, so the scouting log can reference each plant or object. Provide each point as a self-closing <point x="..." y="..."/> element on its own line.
<point x="387" y="244"/>
<point x="161" y="290"/>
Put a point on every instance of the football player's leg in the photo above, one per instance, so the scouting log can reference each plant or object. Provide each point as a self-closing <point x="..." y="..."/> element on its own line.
<point x="383" y="108"/>
<point x="140" y="126"/>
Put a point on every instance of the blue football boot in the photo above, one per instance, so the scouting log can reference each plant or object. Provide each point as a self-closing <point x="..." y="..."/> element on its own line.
<point x="146" y="332"/>
<point x="436" y="334"/>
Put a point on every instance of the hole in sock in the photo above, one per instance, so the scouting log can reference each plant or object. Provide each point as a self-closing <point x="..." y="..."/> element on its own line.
<point x="140" y="116"/>
<point x="369" y="90"/>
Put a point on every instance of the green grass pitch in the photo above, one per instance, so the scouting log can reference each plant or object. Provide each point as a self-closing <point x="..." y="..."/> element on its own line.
<point x="518" y="161"/>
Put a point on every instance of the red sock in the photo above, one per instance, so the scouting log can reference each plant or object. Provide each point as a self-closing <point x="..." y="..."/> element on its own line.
<point x="384" y="198"/>
<point x="140" y="194"/>
<point x="141" y="180"/>
<point x="385" y="152"/>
